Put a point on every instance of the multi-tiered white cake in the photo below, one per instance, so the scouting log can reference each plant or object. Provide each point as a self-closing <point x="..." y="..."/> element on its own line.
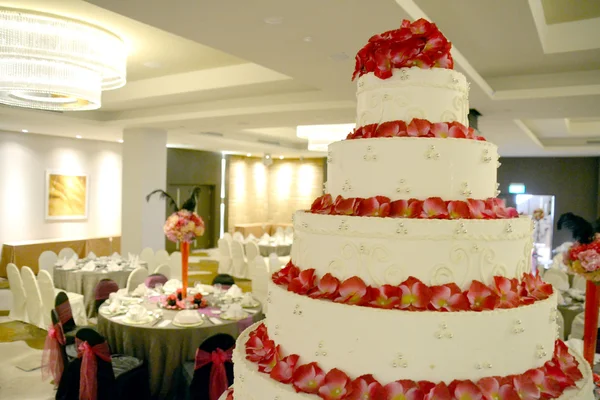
<point x="409" y="279"/>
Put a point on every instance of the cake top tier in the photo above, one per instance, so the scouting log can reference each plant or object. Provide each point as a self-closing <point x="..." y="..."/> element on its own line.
<point x="418" y="44"/>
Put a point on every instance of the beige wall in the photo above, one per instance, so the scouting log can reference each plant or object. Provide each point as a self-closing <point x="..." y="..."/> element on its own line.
<point x="257" y="193"/>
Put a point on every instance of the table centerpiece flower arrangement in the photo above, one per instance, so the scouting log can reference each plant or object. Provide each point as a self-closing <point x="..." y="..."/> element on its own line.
<point x="175" y="301"/>
<point x="583" y="258"/>
<point x="183" y="226"/>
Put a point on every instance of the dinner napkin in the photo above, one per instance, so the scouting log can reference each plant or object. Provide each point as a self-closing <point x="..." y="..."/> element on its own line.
<point x="187" y="317"/>
<point x="204" y="289"/>
<point x="234" y="311"/>
<point x="251" y="237"/>
<point x="140" y="290"/>
<point x="91" y="255"/>
<point x="114" y="305"/>
<point x="115" y="257"/>
<point x="172" y="285"/>
<point x="70" y="264"/>
<point x="248" y="300"/>
<point x="61" y="262"/>
<point x="113" y="266"/>
<point x="234" y="292"/>
<point x="89" y="266"/>
<point x="136" y="313"/>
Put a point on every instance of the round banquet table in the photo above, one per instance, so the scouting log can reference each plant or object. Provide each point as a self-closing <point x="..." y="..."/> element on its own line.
<point x="281" y="250"/>
<point x="165" y="348"/>
<point x="84" y="282"/>
<point x="569" y="312"/>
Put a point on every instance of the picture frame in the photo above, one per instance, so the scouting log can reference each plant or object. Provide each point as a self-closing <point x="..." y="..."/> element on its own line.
<point x="66" y="196"/>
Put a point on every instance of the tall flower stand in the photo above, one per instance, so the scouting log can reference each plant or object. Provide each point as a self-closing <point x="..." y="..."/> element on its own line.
<point x="590" y="328"/>
<point x="185" y="254"/>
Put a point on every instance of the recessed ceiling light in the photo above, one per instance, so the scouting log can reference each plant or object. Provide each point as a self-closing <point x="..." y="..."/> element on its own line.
<point x="120" y="140"/>
<point x="267" y="156"/>
<point x="281" y="157"/>
<point x="78" y="136"/>
<point x="307" y="39"/>
<point x="274" y="20"/>
<point x="24" y="130"/>
<point x="248" y="155"/>
<point x="152" y="64"/>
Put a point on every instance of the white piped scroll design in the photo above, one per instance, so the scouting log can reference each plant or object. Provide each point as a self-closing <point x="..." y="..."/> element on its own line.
<point x="379" y="104"/>
<point x="462" y="263"/>
<point x="364" y="261"/>
<point x="524" y="265"/>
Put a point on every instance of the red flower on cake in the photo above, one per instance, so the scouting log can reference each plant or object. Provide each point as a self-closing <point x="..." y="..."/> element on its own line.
<point x="477" y="209"/>
<point x="457" y="130"/>
<point x="391" y="129"/>
<point x="403" y="389"/>
<point x="336" y="385"/>
<point x="366" y="388"/>
<point x="415" y="295"/>
<point x="285" y="275"/>
<point x="491" y="389"/>
<point x="284" y="369"/>
<point x="448" y="297"/>
<point x="406" y="208"/>
<point x="568" y="364"/>
<point x="436" y="42"/>
<point x="507" y="291"/>
<point x="444" y="61"/>
<point x="378" y="206"/>
<point x="465" y="390"/>
<point x="440" y="130"/>
<point x="481" y="297"/>
<point x="353" y="291"/>
<point x="322" y="205"/>
<point x="419" y="128"/>
<point x="439" y="392"/>
<point x="304" y="282"/>
<point x="422" y="27"/>
<point x="268" y="363"/>
<point x="386" y="296"/>
<point x="308" y="378"/>
<point x="435" y="207"/>
<point x="548" y="386"/>
<point x="525" y="388"/>
<point x="533" y="286"/>
<point x="346" y="206"/>
<point x="458" y="209"/>
<point x="327" y="288"/>
<point x="259" y="348"/>
<point x="552" y="371"/>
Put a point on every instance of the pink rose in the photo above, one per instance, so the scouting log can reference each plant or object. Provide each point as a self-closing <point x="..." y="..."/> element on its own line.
<point x="590" y="260"/>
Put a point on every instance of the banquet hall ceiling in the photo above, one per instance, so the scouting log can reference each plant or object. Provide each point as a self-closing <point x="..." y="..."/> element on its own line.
<point x="239" y="76"/>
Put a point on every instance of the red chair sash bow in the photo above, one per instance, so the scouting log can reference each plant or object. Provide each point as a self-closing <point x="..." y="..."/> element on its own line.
<point x="52" y="360"/>
<point x="218" y="375"/>
<point x="88" y="378"/>
<point x="64" y="312"/>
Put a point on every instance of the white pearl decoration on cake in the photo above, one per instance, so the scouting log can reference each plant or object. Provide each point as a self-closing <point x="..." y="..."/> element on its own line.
<point x="343" y="226"/>
<point x="461" y="229"/>
<point x="401" y="187"/>
<point x="370" y="156"/>
<point x="509" y="228"/>
<point x="486" y="156"/>
<point x="347" y="187"/>
<point x="432" y="154"/>
<point x="321" y="352"/>
<point x="403" y="75"/>
<point x="401" y="229"/>
<point x="465" y="190"/>
<point x="540" y="351"/>
<point x="329" y="158"/>
<point x="444" y="332"/>
<point x="398" y="361"/>
<point x="518" y="328"/>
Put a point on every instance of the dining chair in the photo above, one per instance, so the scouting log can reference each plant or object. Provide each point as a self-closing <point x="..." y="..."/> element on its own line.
<point x="63" y="309"/>
<point x="155" y="279"/>
<point x="274" y="263"/>
<point x="240" y="265"/>
<point x="260" y="279"/>
<point x="175" y="264"/>
<point x="49" y="292"/>
<point x="558" y="279"/>
<point x="147" y="255"/>
<point x="225" y="280"/>
<point x="163" y="269"/>
<point x="237" y="235"/>
<point x="577" y="326"/>
<point x="560" y="322"/>
<point x="34" y="298"/>
<point x="225" y="262"/>
<point x="214" y="353"/>
<point x="227" y="236"/>
<point x="117" y="376"/>
<point x="252" y="251"/>
<point x="18" y="310"/>
<point x="161" y="257"/>
<point x="66" y="253"/>
<point x="91" y="256"/>
<point x="54" y="356"/>
<point x="103" y="290"/>
<point x="579" y="282"/>
<point x="47" y="260"/>
<point x="136" y="278"/>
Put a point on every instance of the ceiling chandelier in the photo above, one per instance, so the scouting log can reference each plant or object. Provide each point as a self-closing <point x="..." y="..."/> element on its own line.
<point x="55" y="63"/>
<point x="321" y="136"/>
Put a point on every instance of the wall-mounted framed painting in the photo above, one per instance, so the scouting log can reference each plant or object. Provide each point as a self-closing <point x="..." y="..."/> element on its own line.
<point x="66" y="196"/>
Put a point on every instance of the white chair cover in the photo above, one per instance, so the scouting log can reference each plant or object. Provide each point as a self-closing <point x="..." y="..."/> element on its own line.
<point x="560" y="322"/>
<point x="577" y="326"/>
<point x="251" y="251"/>
<point x="66" y="253"/>
<point x="240" y="266"/>
<point x="227" y="236"/>
<point x="91" y="256"/>
<point x="18" y="310"/>
<point x="558" y="279"/>
<point x="147" y="255"/>
<point x="274" y="263"/>
<point x="238" y="236"/>
<point x="163" y="269"/>
<point x="259" y="274"/>
<point x="34" y="298"/>
<point x="225" y="261"/>
<point x="161" y="257"/>
<point x="289" y="231"/>
<point x="579" y="282"/>
<point x="137" y="277"/>
<point x="175" y="265"/>
<point x="47" y="260"/>
<point x="49" y="292"/>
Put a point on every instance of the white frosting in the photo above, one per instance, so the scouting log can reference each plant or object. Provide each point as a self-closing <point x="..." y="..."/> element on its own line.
<point x="404" y="168"/>
<point x="437" y="95"/>
<point x="253" y="385"/>
<point x="389" y="250"/>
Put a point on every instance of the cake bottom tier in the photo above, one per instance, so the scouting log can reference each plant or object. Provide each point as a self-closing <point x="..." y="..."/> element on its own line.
<point x="250" y="384"/>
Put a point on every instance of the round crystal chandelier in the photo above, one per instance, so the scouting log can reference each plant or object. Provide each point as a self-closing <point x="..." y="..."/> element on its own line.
<point x="55" y="63"/>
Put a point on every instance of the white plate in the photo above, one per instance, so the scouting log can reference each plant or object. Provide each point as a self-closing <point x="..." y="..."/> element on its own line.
<point x="223" y="316"/>
<point x="179" y="325"/>
<point x="253" y="305"/>
<point x="106" y="312"/>
<point x="143" y="321"/>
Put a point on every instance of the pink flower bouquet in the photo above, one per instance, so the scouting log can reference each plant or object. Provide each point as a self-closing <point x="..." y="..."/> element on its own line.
<point x="183" y="226"/>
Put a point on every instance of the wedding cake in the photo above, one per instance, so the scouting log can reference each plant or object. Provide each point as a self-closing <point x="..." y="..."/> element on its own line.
<point x="409" y="278"/>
